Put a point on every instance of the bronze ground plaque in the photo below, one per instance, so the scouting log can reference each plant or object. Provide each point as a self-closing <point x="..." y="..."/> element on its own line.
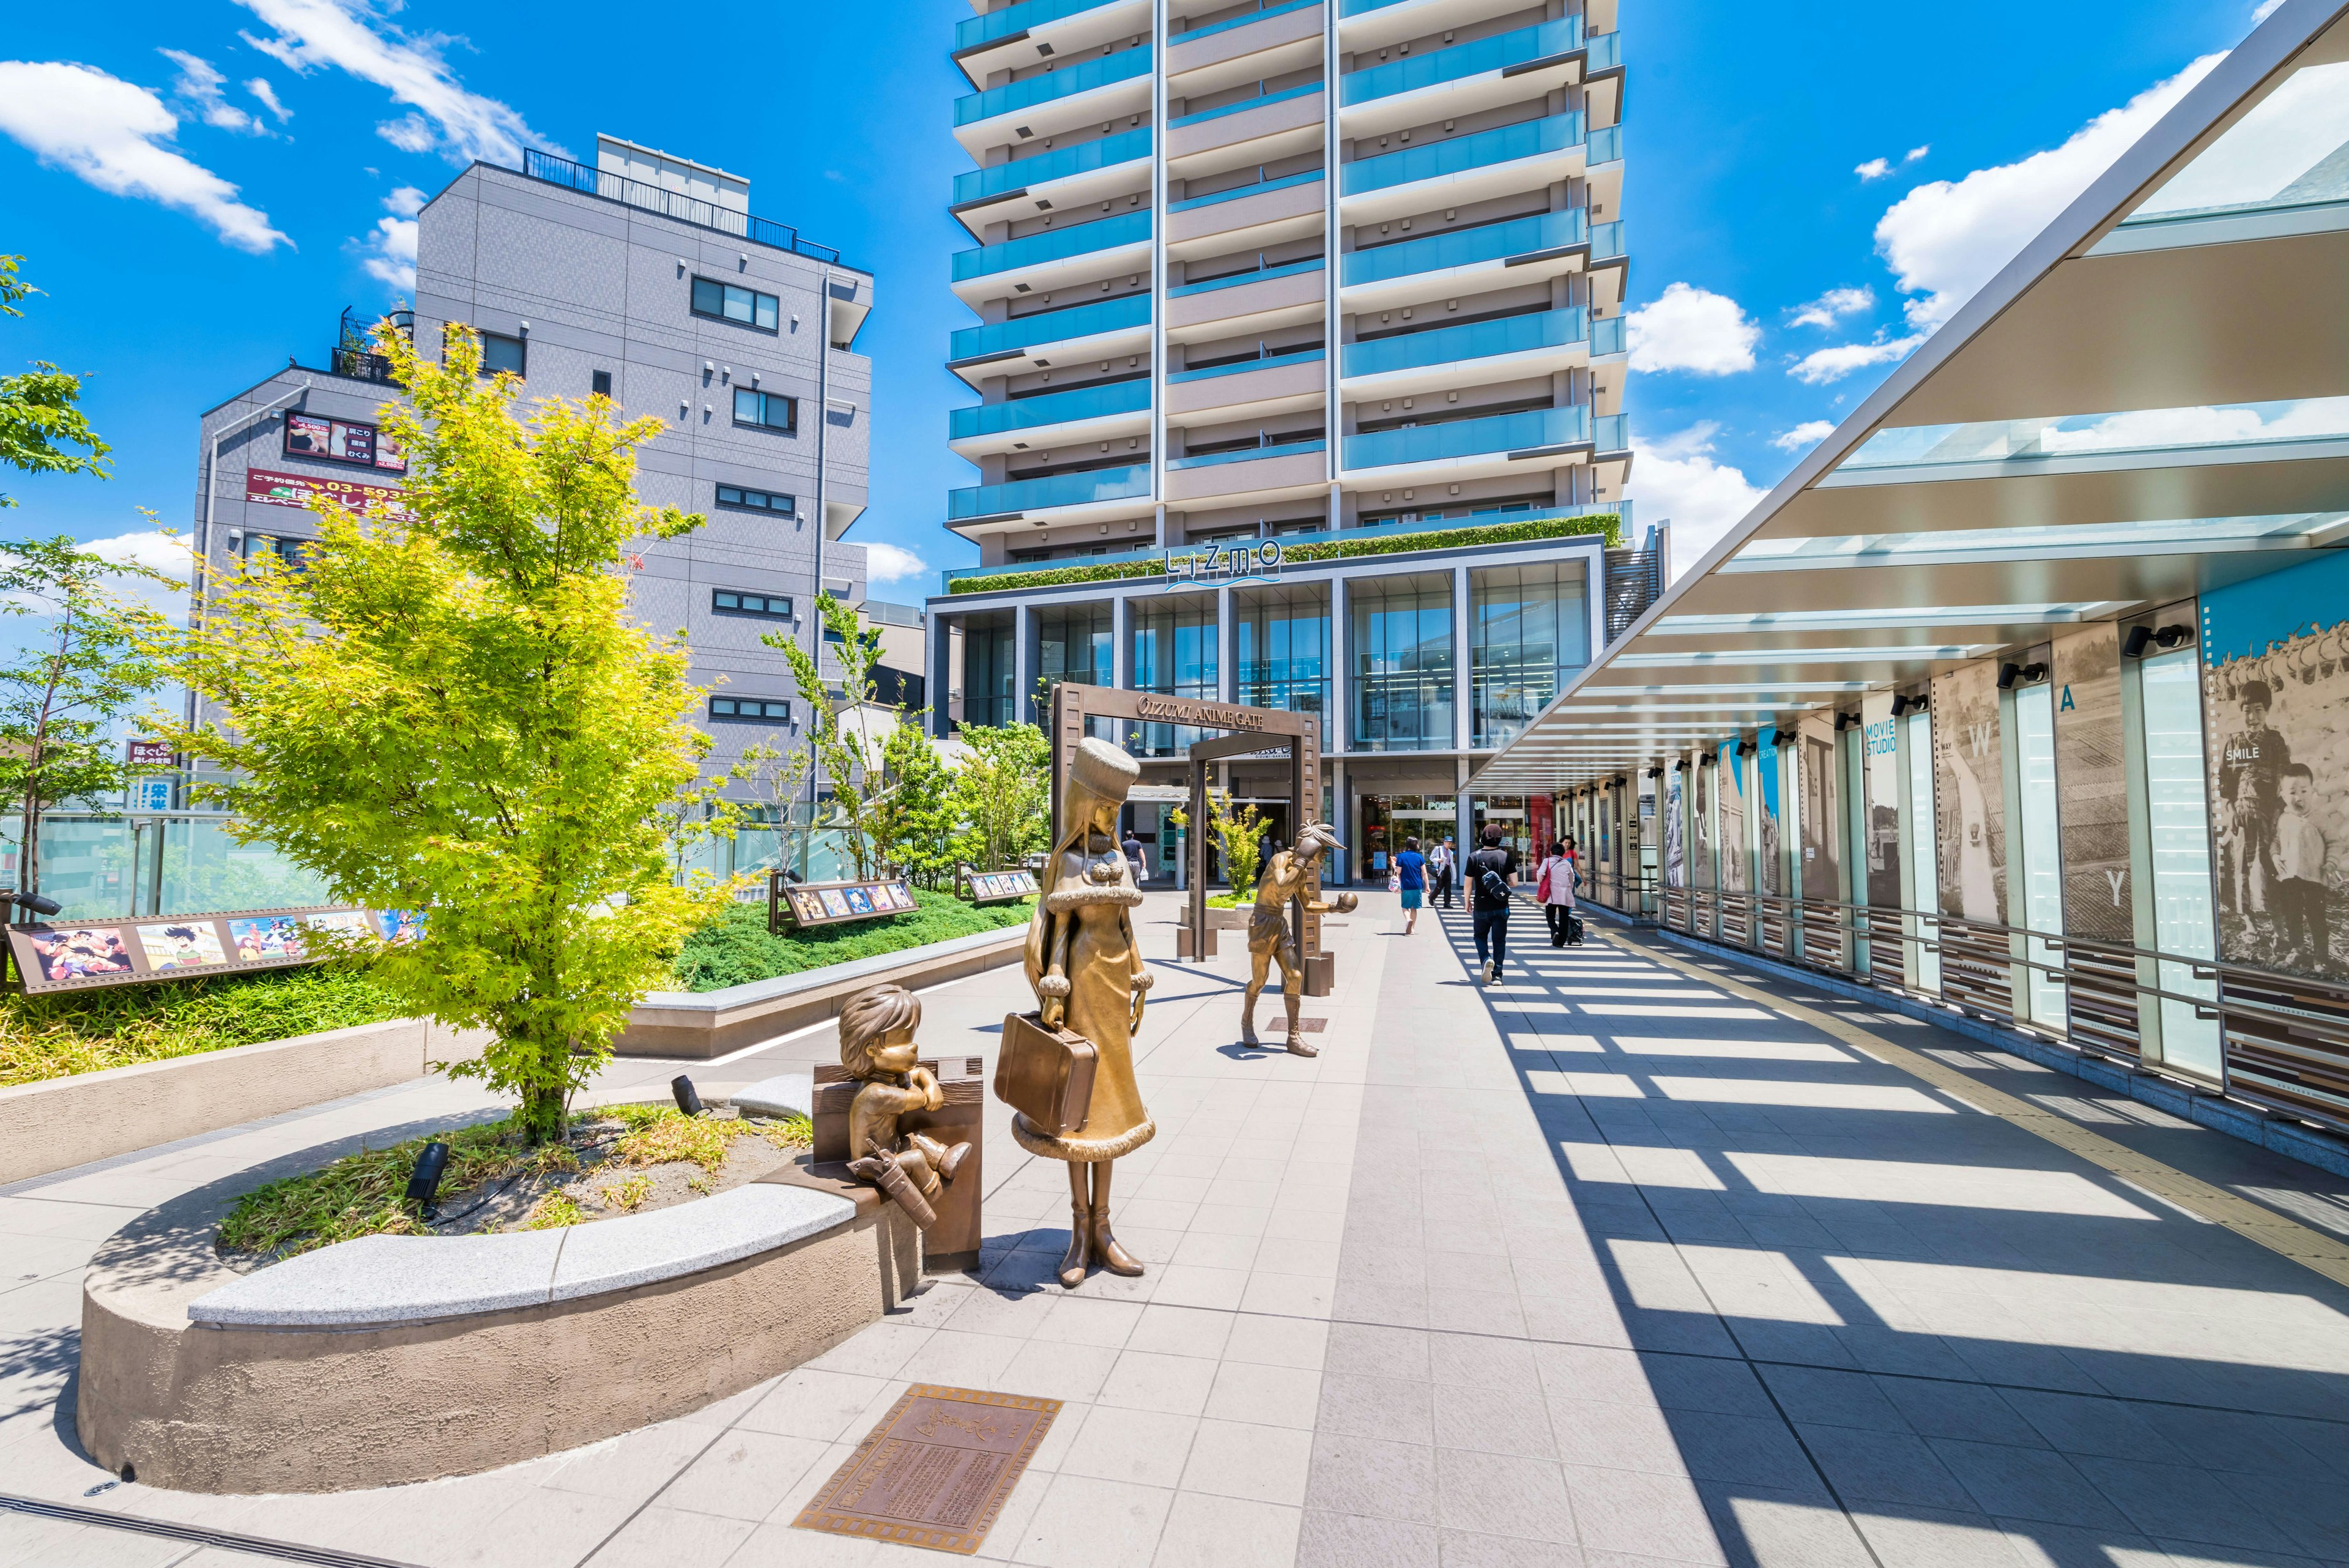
<point x="935" y="1471"/>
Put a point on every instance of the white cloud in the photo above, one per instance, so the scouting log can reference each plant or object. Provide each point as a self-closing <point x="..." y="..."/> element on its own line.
<point x="1914" y="153"/>
<point x="353" y="36"/>
<point x="390" y="249"/>
<point x="1692" y="329"/>
<point x="1809" y="433"/>
<point x="1834" y="364"/>
<point x="266" y="96"/>
<point x="153" y="548"/>
<point x="2203" y="426"/>
<point x="405" y="202"/>
<point x="1676" y="478"/>
<point x="200" y="84"/>
<point x="2265" y="9"/>
<point x="1832" y="307"/>
<point x="1873" y="169"/>
<point x="891" y="563"/>
<point x="1946" y="239"/>
<point x="111" y="134"/>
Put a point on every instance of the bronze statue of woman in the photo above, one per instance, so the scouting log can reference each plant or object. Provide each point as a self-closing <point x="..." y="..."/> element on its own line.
<point x="1086" y="969"/>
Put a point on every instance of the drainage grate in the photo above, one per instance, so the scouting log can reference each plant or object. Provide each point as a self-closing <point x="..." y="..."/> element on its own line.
<point x="196" y="1535"/>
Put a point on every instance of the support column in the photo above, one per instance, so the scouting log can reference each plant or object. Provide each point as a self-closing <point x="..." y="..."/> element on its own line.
<point x="1227" y="639"/>
<point x="1337" y="724"/>
<point x="1463" y="814"/>
<point x="941" y="649"/>
<point x="1024" y="657"/>
<point x="1339" y="867"/>
<point x="1121" y="642"/>
<point x="1462" y="688"/>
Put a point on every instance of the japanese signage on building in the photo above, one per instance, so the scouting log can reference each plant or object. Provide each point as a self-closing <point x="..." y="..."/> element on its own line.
<point x="343" y="441"/>
<point x="265" y="487"/>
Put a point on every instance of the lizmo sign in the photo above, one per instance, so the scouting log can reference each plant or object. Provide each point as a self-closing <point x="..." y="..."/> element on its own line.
<point x="1225" y="564"/>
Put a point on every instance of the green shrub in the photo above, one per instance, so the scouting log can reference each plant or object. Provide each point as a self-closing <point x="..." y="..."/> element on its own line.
<point x="83" y="1031"/>
<point x="737" y="949"/>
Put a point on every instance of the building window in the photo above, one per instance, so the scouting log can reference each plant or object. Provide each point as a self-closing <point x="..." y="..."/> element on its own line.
<point x="987" y="669"/>
<point x="767" y="606"/>
<point x="599" y="383"/>
<point x="766" y="410"/>
<point x="502" y="354"/>
<point x="1073" y="644"/>
<point x="1528" y="632"/>
<point x="1284" y="648"/>
<point x="291" y="555"/>
<point x="1174" y="652"/>
<point x="742" y="499"/>
<point x="748" y="711"/>
<point x="343" y="441"/>
<point x="727" y="302"/>
<point x="1402" y="653"/>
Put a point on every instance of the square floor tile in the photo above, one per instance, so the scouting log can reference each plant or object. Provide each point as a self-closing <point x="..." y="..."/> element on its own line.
<point x="1211" y="1532"/>
<point x="1268" y="1395"/>
<point x="1236" y="1458"/>
<point x="1085" y="1522"/>
<point x="1148" y="1380"/>
<point x="1147" y="1446"/>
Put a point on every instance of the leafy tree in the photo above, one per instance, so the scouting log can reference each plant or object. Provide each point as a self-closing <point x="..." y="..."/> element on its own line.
<point x="1236" y="834"/>
<point x="451" y="707"/>
<point x="776" y="779"/>
<point x="40" y="419"/>
<point x="1002" y="794"/>
<point x="840" y="746"/>
<point x="913" y="820"/>
<point x="61" y="695"/>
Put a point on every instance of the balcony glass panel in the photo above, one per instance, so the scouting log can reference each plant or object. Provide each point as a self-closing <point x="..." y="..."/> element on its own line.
<point x="1606" y="240"/>
<point x="1236" y="192"/>
<point x="1605" y="145"/>
<point x="1469" y="438"/>
<point x="1244" y="104"/>
<point x="1123" y="65"/>
<point x="1496" y="53"/>
<point x="1052" y="490"/>
<point x="1608" y="336"/>
<point x="1357" y="7"/>
<point x="1051" y="408"/>
<point x="1471" y="341"/>
<point x="1051" y="327"/>
<point x="1247" y="455"/>
<point x="1502" y="144"/>
<point x="1053" y="244"/>
<point x="1606" y="54"/>
<point x="1225" y="26"/>
<point x="1611" y="432"/>
<point x="1235" y="279"/>
<point x="1518" y="237"/>
<point x="988" y="656"/>
<point x="1021" y="173"/>
<point x="977" y="30"/>
<point x="1263" y="362"/>
<point x="1400" y="644"/>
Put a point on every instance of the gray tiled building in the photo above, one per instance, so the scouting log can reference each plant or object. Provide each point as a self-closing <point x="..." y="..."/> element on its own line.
<point x="646" y="278"/>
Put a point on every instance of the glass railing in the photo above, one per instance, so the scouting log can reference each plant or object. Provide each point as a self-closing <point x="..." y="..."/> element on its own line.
<point x="1051" y="408"/>
<point x="1053" y="244"/>
<point x="1606" y="52"/>
<point x="1606" y="240"/>
<point x="1236" y="192"/>
<point x="1262" y="362"/>
<point x="977" y="30"/>
<point x="1020" y="175"/>
<point x="1605" y="145"/>
<point x="1356" y="7"/>
<point x="1611" y="432"/>
<point x="1518" y="237"/>
<point x="1123" y="313"/>
<point x="1123" y="65"/>
<point x="1504" y="144"/>
<point x="1234" y="280"/>
<point x="1606" y="337"/>
<point x="1246" y="103"/>
<point x="1225" y="26"/>
<point x="1470" y="340"/>
<point x="1054" y="490"/>
<point x="1469" y="438"/>
<point x="1496" y="53"/>
<point x="1247" y="455"/>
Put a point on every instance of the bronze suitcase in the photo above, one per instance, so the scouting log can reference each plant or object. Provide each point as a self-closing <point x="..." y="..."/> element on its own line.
<point x="1045" y="1075"/>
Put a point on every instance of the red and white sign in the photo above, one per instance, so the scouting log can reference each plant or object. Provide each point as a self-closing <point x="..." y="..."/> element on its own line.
<point x="265" y="487"/>
<point x="150" y="754"/>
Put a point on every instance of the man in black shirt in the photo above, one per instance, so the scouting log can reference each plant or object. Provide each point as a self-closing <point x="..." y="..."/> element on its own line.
<point x="1490" y="916"/>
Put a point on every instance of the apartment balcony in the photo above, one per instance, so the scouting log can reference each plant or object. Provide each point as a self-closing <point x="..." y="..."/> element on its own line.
<point x="1249" y="388"/>
<point x="1245" y="302"/>
<point x="1094" y="495"/>
<point x="1267" y="472"/>
<point x="1090" y="172"/>
<point x="1261" y="130"/>
<point x="1609" y="341"/>
<point x="1371" y="24"/>
<point x="1019" y="35"/>
<point x="1468" y="261"/>
<point x="1507" y="67"/>
<point x="1463" y="169"/>
<point x="1511" y="348"/>
<point x="1106" y="87"/>
<point x="1272" y="42"/>
<point x="1041" y="262"/>
<point x="1119" y="325"/>
<point x="1118" y="408"/>
<point x="1247" y="217"/>
<point x="1474" y="448"/>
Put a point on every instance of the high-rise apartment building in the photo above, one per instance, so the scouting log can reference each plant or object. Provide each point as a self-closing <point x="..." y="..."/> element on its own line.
<point x="646" y="278"/>
<point x="1347" y="275"/>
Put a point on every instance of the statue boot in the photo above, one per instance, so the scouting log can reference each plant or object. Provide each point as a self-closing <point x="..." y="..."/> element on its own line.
<point x="1297" y="1045"/>
<point x="1106" y="1251"/>
<point x="1081" y="1227"/>
<point x="1247" y="1019"/>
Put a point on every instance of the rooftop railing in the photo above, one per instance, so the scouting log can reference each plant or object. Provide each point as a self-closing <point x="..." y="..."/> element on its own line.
<point x="669" y="204"/>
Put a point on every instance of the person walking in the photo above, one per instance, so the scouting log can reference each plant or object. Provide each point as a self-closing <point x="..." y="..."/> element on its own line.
<point x="1490" y="873"/>
<point x="1554" y="887"/>
<point x="1410" y="874"/>
<point x="1441" y="867"/>
<point x="1133" y="847"/>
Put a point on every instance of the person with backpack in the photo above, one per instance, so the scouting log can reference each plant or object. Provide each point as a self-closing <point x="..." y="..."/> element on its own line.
<point x="1411" y="881"/>
<point x="1554" y="889"/>
<point x="1490" y="872"/>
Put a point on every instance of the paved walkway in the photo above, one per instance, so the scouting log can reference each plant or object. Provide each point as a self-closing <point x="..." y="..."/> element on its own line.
<point x="1633" y="1258"/>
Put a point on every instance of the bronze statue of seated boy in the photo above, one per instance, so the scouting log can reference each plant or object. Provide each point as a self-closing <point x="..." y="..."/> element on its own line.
<point x="877" y="1050"/>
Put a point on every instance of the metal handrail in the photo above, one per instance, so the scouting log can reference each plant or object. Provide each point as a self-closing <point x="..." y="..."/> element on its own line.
<point x="684" y="209"/>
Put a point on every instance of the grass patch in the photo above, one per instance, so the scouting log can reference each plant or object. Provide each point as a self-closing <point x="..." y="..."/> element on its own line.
<point x="737" y="949"/>
<point x="1230" y="900"/>
<point x="555" y="1212"/>
<point x="55" y="1036"/>
<point x="363" y="1194"/>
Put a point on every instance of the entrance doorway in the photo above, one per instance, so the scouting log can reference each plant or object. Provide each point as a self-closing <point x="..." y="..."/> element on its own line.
<point x="1389" y="819"/>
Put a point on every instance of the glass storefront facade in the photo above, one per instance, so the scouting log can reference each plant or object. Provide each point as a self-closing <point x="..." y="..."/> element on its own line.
<point x="1283" y="649"/>
<point x="989" y="652"/>
<point x="1528" y="633"/>
<point x="1173" y="653"/>
<point x="1400" y="644"/>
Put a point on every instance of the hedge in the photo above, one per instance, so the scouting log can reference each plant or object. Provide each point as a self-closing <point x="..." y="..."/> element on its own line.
<point x="1605" y="523"/>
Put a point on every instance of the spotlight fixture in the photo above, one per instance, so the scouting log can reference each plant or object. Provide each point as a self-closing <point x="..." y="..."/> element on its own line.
<point x="1747" y="748"/>
<point x="1851" y="721"/>
<point x="1899" y="705"/>
<point x="424" y="1179"/>
<point x="1655" y="772"/>
<point x="687" y="1100"/>
<point x="1682" y="766"/>
<point x="2006" y="675"/>
<point x="2139" y="638"/>
<point x="2033" y="674"/>
<point x="2171" y="636"/>
<point x="38" y="903"/>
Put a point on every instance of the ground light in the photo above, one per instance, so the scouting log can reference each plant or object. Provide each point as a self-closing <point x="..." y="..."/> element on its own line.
<point x="424" y="1181"/>
<point x="687" y="1099"/>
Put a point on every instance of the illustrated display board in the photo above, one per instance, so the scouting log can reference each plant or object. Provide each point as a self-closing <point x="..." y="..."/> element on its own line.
<point x="342" y="440"/>
<point x="1970" y="830"/>
<point x="1879" y="825"/>
<point x="2092" y="812"/>
<point x="77" y="955"/>
<point x="1736" y="907"/>
<point x="1675" y="853"/>
<point x="1705" y="857"/>
<point x="2275" y="722"/>
<point x="1820" y="819"/>
<point x="1769" y="826"/>
<point x="792" y="905"/>
<point x="997" y="887"/>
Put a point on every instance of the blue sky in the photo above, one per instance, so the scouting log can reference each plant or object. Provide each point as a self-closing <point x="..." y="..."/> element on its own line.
<point x="192" y="229"/>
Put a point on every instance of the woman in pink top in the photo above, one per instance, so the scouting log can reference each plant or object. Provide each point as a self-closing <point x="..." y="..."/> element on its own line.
<point x="1554" y="883"/>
